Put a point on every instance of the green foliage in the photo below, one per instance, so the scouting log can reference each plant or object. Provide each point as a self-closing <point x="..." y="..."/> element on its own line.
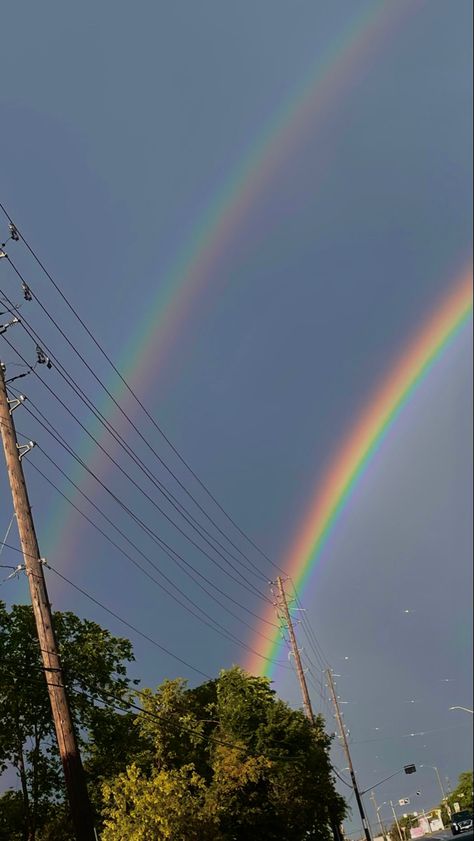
<point x="233" y="756"/>
<point x="11" y="816"/>
<point x="225" y="761"/>
<point x="168" y="804"/>
<point x="94" y="667"/>
<point x="405" y="825"/>
<point x="462" y="794"/>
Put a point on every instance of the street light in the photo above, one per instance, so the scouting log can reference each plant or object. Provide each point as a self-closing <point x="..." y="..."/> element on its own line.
<point x="466" y="709"/>
<point x="377" y="812"/>
<point x="443" y="793"/>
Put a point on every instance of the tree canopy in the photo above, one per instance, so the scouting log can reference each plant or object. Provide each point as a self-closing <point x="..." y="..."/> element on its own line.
<point x="462" y="794"/>
<point x="223" y="761"/>
<point x="94" y="664"/>
<point x="227" y="761"/>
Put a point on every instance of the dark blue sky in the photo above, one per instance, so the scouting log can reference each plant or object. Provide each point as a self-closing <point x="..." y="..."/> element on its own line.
<point x="119" y="127"/>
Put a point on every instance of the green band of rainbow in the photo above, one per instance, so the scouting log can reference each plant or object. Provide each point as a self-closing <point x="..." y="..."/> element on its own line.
<point x="337" y="485"/>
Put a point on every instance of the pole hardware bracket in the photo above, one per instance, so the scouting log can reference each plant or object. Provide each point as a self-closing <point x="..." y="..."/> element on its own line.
<point x="23" y="449"/>
<point x="4" y="327"/>
<point x="14" y="235"/>
<point x="14" y="402"/>
<point x="26" y="291"/>
<point x="16" y="572"/>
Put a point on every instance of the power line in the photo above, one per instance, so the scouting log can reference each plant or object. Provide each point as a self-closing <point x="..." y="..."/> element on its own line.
<point x="215" y="626"/>
<point x="139" y="402"/>
<point x="120" y="548"/>
<point x="128" y="624"/>
<point x="111" y="431"/>
<point x="178" y="559"/>
<point x="247" y="585"/>
<point x="166" y="548"/>
<point x="228" y="634"/>
<point x="118" y="617"/>
<point x="121" y="441"/>
<point x="93" y="696"/>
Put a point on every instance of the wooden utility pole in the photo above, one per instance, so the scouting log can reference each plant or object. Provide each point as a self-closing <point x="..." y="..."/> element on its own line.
<point x="81" y="812"/>
<point x="283" y="604"/>
<point x="296" y="654"/>
<point x="348" y="755"/>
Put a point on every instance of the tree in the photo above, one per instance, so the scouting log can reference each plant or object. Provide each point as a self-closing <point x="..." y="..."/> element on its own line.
<point x="462" y="794"/>
<point x="405" y="825"/>
<point x="169" y="803"/>
<point x="95" y="671"/>
<point x="11" y="816"/>
<point x="231" y="755"/>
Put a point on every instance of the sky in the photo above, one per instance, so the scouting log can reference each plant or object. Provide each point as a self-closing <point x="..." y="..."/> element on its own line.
<point x="125" y="138"/>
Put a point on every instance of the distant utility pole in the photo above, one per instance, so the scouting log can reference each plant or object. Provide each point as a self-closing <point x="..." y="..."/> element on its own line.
<point x="81" y="812"/>
<point x="396" y="821"/>
<point x="283" y="606"/>
<point x="348" y="755"/>
<point x="377" y="812"/>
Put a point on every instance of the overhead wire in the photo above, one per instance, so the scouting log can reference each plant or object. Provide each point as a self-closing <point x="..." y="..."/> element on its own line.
<point x="210" y="622"/>
<point x="116" y="435"/>
<point x="111" y="431"/>
<point x="118" y="617"/>
<point x="122" y="533"/>
<point x="133" y="394"/>
<point x="215" y="626"/>
<point x="247" y="585"/>
<point x="178" y="559"/>
<point x="122" y="705"/>
<point x="125" y="414"/>
<point x="151" y="532"/>
<point x="309" y="631"/>
<point x="113" y="613"/>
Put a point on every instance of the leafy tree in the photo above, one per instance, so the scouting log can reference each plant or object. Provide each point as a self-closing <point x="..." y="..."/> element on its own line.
<point x="227" y="761"/>
<point x="405" y="825"/>
<point x="11" y="816"/>
<point x="94" y="664"/>
<point x="170" y="803"/>
<point x="463" y="793"/>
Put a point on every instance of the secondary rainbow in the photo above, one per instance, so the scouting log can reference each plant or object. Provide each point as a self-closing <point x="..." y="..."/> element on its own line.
<point x="328" y="80"/>
<point x="335" y="488"/>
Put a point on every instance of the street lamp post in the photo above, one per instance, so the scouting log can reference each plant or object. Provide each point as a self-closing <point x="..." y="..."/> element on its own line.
<point x="443" y="793"/>
<point x="466" y="709"/>
<point x="377" y="812"/>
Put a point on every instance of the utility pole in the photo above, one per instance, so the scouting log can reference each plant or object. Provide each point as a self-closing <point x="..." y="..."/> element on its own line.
<point x="443" y="792"/>
<point x="348" y="755"/>
<point x="283" y="605"/>
<point x="81" y="812"/>
<point x="296" y="654"/>
<point x="396" y="821"/>
<point x="377" y="812"/>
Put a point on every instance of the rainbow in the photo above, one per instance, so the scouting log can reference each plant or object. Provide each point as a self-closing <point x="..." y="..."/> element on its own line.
<point x="334" y="490"/>
<point x="328" y="79"/>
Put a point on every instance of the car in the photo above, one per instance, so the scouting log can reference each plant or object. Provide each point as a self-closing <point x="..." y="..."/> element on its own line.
<point x="461" y="822"/>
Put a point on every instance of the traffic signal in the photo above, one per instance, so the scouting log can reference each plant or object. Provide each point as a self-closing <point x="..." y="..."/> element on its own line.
<point x="409" y="769"/>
